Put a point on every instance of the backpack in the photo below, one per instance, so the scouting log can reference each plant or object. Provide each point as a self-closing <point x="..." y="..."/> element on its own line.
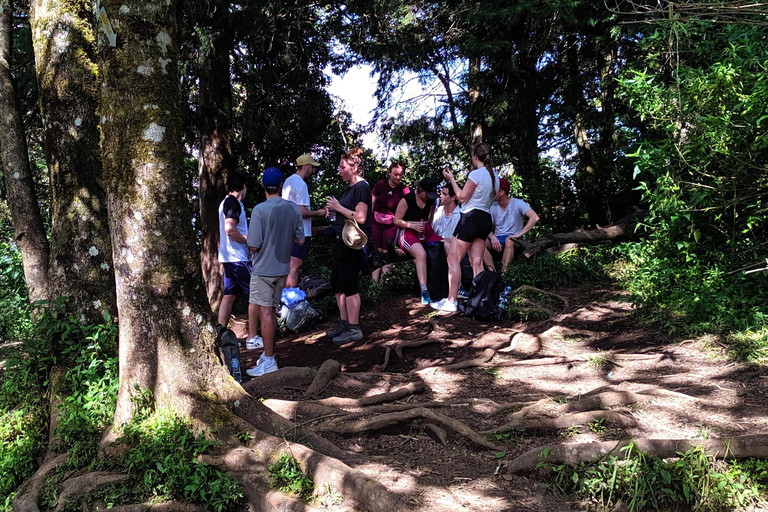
<point x="315" y="286"/>
<point x="231" y="351"/>
<point x="484" y="297"/>
<point x="299" y="318"/>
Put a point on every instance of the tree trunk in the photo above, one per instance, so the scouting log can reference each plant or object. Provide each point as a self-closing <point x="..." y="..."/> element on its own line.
<point x="81" y="255"/>
<point x="215" y="150"/>
<point x="28" y="229"/>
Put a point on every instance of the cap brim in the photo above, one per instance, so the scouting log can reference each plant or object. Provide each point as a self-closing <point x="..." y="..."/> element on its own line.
<point x="432" y="195"/>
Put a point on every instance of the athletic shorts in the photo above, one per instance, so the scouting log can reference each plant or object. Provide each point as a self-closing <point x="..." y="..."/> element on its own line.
<point x="237" y="278"/>
<point x="266" y="290"/>
<point x="408" y="237"/>
<point x="346" y="268"/>
<point x="301" y="251"/>
<point x="473" y="224"/>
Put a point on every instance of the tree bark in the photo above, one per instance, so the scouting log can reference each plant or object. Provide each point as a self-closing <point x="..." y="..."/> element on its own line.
<point x="216" y="159"/>
<point x="622" y="228"/>
<point x="81" y="254"/>
<point x="28" y="228"/>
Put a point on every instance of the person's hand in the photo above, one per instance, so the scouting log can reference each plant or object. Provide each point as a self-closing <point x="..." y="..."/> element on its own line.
<point x="418" y="226"/>
<point x="322" y="212"/>
<point x="447" y="174"/>
<point x="333" y="203"/>
<point x="495" y="243"/>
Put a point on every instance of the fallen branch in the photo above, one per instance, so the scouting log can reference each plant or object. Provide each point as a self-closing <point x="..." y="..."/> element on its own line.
<point x="623" y="227"/>
<point x="325" y="375"/>
<point x="385" y="420"/>
<point x="740" y="447"/>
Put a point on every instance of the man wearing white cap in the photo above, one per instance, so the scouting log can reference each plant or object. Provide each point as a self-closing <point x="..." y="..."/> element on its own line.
<point x="295" y="190"/>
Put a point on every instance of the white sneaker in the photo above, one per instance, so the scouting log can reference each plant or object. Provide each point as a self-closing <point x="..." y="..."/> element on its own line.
<point x="262" y="367"/>
<point x="254" y="343"/>
<point x="445" y="305"/>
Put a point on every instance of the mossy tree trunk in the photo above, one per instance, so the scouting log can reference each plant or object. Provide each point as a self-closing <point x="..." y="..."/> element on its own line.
<point x="28" y="227"/>
<point x="81" y="254"/>
<point x="166" y="335"/>
<point x="215" y="149"/>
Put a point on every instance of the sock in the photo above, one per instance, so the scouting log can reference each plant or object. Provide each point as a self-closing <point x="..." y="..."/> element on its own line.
<point x="354" y="326"/>
<point x="269" y="359"/>
<point x="423" y="287"/>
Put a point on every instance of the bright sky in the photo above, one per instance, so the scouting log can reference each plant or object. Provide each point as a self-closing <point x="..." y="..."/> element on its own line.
<point x="356" y="89"/>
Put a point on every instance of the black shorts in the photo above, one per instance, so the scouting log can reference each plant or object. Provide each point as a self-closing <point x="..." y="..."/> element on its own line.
<point x="472" y="225"/>
<point x="301" y="251"/>
<point x="345" y="272"/>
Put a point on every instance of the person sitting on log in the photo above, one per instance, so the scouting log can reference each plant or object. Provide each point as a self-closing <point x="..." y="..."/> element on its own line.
<point x="414" y="218"/>
<point x="512" y="218"/>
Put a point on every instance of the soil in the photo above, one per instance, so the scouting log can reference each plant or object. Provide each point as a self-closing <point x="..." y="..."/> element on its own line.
<point x="725" y="398"/>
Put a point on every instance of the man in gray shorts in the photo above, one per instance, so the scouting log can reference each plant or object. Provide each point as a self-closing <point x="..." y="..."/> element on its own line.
<point x="275" y="225"/>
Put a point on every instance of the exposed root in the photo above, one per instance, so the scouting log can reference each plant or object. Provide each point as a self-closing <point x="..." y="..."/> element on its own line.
<point x="483" y="358"/>
<point x="441" y="434"/>
<point x="293" y="410"/>
<point x="397" y="394"/>
<point x="579" y="418"/>
<point x="387" y="355"/>
<point x="28" y="494"/>
<point x="166" y="506"/>
<point x="399" y="346"/>
<point x="81" y="485"/>
<point x="385" y="420"/>
<point x="286" y="376"/>
<point x="611" y="358"/>
<point x="741" y="447"/>
<point x="325" y="375"/>
<point x="525" y="287"/>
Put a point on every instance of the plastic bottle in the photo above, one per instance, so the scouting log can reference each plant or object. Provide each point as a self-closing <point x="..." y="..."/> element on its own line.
<point x="331" y="215"/>
<point x="422" y="234"/>
<point x="238" y="376"/>
<point x="503" y="299"/>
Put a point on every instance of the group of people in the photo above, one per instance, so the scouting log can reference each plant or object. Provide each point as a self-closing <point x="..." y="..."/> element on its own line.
<point x="264" y="257"/>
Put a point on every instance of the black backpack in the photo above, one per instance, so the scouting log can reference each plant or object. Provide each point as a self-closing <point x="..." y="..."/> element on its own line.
<point x="315" y="286"/>
<point x="483" y="302"/>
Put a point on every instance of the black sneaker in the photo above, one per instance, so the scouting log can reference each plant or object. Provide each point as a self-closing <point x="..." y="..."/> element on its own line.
<point x="340" y="327"/>
<point x="350" y="334"/>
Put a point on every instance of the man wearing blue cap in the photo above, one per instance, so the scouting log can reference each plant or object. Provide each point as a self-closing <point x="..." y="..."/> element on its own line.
<point x="275" y="225"/>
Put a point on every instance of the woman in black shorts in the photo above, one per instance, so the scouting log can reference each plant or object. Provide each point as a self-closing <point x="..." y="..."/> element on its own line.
<point x="475" y="223"/>
<point x="355" y="203"/>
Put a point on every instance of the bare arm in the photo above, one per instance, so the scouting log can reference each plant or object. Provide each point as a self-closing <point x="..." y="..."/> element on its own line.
<point x="307" y="213"/>
<point x="462" y="194"/>
<point x="533" y="218"/>
<point x="230" y="228"/>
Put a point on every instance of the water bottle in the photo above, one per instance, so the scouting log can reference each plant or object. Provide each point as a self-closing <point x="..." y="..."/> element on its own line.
<point x="331" y="215"/>
<point x="503" y="299"/>
<point x="422" y="234"/>
<point x="236" y="369"/>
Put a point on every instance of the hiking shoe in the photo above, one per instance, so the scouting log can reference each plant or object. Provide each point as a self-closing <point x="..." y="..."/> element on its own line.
<point x="463" y="293"/>
<point x="254" y="343"/>
<point x="262" y="368"/>
<point x="350" y="334"/>
<point x="444" y="305"/>
<point x="340" y="327"/>
<point x="425" y="299"/>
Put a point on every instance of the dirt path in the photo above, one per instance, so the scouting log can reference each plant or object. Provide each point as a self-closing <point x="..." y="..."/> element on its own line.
<point x="606" y="350"/>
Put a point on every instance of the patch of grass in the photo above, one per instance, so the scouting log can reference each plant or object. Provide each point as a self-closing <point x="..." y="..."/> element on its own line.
<point x="287" y="476"/>
<point x="511" y="436"/>
<point x="750" y="345"/>
<point x="493" y="372"/>
<point x="572" y="431"/>
<point x="599" y="361"/>
<point x="597" y="426"/>
<point x="692" y="481"/>
<point x="550" y="272"/>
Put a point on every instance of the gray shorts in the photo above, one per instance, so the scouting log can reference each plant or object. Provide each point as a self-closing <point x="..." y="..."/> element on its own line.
<point x="266" y="290"/>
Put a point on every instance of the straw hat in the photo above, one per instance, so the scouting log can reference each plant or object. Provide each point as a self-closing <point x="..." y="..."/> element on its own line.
<point x="353" y="235"/>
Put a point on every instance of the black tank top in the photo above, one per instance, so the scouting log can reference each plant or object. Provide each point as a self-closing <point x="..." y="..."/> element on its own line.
<point x="414" y="213"/>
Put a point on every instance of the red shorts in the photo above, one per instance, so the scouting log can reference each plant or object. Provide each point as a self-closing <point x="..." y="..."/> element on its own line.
<point x="408" y="237"/>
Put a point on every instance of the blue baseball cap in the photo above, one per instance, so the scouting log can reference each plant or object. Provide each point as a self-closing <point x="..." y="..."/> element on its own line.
<point x="272" y="177"/>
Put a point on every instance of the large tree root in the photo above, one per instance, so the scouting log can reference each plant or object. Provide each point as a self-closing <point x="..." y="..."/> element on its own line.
<point x="741" y="447"/>
<point x="480" y="360"/>
<point x="547" y="406"/>
<point x="387" y="419"/>
<point x="396" y="394"/>
<point x="81" y="485"/>
<point x="28" y="494"/>
<point x="610" y="358"/>
<point x="579" y="418"/>
<point x="325" y="375"/>
<point x="286" y="376"/>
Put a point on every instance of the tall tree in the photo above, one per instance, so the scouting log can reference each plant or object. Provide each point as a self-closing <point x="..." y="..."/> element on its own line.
<point x="215" y="111"/>
<point x="29" y="230"/>
<point x="166" y="337"/>
<point x="81" y="255"/>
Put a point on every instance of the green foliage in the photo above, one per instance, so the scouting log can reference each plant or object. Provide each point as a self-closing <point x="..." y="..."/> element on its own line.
<point x="702" y="173"/>
<point x="15" y="310"/>
<point x="22" y="443"/>
<point x="550" y="272"/>
<point x="287" y="476"/>
<point x="692" y="481"/>
<point x="163" y="462"/>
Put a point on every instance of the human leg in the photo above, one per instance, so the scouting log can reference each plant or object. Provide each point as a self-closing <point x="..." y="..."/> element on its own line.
<point x="476" y="249"/>
<point x="458" y="249"/>
<point x="293" y="275"/>
<point x="225" y="309"/>
<point x="509" y="253"/>
<point x="268" y="329"/>
<point x="487" y="256"/>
